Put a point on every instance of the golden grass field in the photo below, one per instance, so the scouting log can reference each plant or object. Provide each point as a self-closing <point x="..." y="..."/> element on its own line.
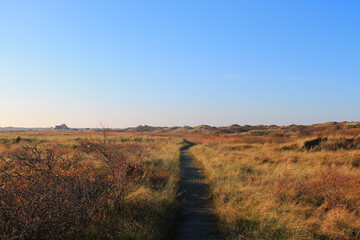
<point x="148" y="208"/>
<point x="277" y="184"/>
<point x="275" y="188"/>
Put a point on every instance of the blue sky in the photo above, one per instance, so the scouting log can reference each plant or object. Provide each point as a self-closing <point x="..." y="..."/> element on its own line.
<point x="166" y="63"/>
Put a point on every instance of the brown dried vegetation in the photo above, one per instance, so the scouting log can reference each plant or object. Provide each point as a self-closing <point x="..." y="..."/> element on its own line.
<point x="66" y="185"/>
<point x="46" y="193"/>
<point x="290" y="187"/>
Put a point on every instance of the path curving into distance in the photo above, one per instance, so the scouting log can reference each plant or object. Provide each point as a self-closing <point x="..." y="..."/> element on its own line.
<point x="195" y="218"/>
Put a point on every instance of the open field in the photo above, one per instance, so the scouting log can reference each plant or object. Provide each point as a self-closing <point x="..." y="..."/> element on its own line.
<point x="139" y="201"/>
<point x="292" y="187"/>
<point x="294" y="182"/>
<point x="180" y="120"/>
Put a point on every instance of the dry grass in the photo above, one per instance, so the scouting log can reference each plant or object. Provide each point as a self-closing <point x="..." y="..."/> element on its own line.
<point x="276" y="189"/>
<point x="282" y="185"/>
<point x="148" y="206"/>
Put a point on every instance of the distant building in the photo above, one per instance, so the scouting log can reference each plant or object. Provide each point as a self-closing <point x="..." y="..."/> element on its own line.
<point x="61" y="127"/>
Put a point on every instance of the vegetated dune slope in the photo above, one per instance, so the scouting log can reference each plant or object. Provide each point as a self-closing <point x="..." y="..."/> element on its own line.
<point x="304" y="184"/>
<point x="259" y="130"/>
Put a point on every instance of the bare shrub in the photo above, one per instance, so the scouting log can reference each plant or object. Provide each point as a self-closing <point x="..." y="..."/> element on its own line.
<point x="123" y="163"/>
<point x="45" y="193"/>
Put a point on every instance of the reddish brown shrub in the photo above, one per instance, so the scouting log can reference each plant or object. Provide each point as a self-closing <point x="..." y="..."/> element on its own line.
<point x="329" y="190"/>
<point x="123" y="161"/>
<point x="44" y="193"/>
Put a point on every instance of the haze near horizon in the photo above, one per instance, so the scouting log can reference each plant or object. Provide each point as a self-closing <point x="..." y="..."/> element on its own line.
<point x="129" y="63"/>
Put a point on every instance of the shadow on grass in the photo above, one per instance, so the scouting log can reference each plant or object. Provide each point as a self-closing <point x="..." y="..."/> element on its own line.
<point x="148" y="218"/>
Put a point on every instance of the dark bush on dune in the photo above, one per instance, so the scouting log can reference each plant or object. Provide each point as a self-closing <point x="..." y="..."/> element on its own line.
<point x="311" y="144"/>
<point x="332" y="144"/>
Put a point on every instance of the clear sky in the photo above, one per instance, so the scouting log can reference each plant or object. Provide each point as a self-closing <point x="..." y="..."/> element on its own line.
<point x="166" y="63"/>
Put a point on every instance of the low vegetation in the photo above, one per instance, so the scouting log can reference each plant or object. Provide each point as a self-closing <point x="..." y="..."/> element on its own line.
<point x="267" y="182"/>
<point x="76" y="185"/>
<point x="247" y="130"/>
<point x="285" y="186"/>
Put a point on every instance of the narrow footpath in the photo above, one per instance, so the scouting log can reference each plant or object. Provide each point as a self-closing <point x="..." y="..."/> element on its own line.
<point x="195" y="219"/>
